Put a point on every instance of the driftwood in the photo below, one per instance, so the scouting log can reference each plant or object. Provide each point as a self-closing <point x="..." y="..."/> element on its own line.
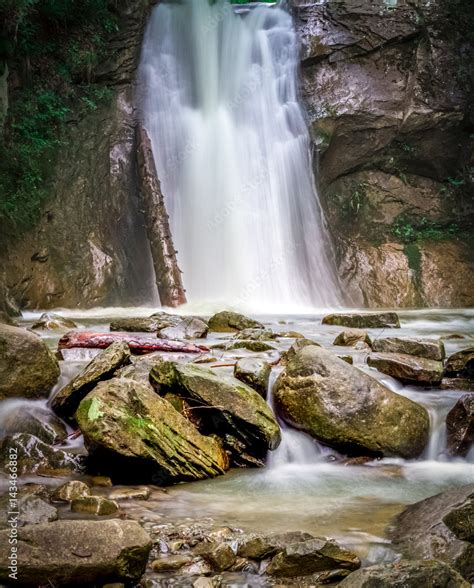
<point x="167" y="272"/>
<point x="138" y="345"/>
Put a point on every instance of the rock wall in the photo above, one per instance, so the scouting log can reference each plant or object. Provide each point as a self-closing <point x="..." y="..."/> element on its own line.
<point x="387" y="93"/>
<point x="90" y="247"/>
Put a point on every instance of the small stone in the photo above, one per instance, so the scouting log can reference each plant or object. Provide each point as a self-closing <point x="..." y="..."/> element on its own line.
<point x="255" y="334"/>
<point x="94" y="505"/>
<point x="347" y="358"/>
<point x="138" y="493"/>
<point x="290" y="335"/>
<point x="220" y="556"/>
<point x="170" y="563"/>
<point x="256" y="346"/>
<point x="261" y="546"/>
<point x="350" y="337"/>
<point x="53" y="322"/>
<point x="71" y="491"/>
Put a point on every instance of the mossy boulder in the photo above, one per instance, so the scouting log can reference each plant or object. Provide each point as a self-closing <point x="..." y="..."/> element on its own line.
<point x="131" y="432"/>
<point x="229" y="322"/>
<point x="225" y="406"/>
<point x="406" y="574"/>
<point x="27" y="367"/>
<point x="75" y="552"/>
<point x="407" y="368"/>
<point x="374" y="320"/>
<point x="345" y="408"/>
<point x="439" y="527"/>
<point x="102" y="367"/>
<point x="418" y="346"/>
<point x="254" y="372"/>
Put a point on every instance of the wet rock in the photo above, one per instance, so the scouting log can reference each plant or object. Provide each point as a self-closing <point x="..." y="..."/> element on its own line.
<point x="224" y="405"/>
<point x="49" y="321"/>
<point x="308" y="557"/>
<point x="70" y="491"/>
<point x="347" y="409"/>
<point x="406" y="574"/>
<point x="347" y="358"/>
<point x="463" y="384"/>
<point x="78" y="553"/>
<point x="407" y="368"/>
<point x="460" y="426"/>
<point x="297" y="346"/>
<point x="461" y="364"/>
<point x="254" y="372"/>
<point x="258" y="546"/>
<point x="220" y="556"/>
<point x="141" y="325"/>
<point x="102" y="367"/>
<point x="256" y="346"/>
<point x="418" y="346"/>
<point x="377" y="320"/>
<point x="130" y="430"/>
<point x="255" y="335"/>
<point x="170" y="563"/>
<point x="94" y="505"/>
<point x="188" y="328"/>
<point x="6" y="319"/>
<point x="27" y="367"/>
<point x="460" y="519"/>
<point x="166" y="320"/>
<point x="20" y="416"/>
<point x="229" y="322"/>
<point x="34" y="511"/>
<point x="138" y="493"/>
<point x="421" y="530"/>
<point x="36" y="457"/>
<point x="101" y="481"/>
<point x="350" y="337"/>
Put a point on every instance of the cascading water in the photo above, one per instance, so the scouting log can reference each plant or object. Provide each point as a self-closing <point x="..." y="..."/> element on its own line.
<point x="219" y="100"/>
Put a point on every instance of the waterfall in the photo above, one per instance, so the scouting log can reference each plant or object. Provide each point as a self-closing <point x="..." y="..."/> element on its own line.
<point x="219" y="99"/>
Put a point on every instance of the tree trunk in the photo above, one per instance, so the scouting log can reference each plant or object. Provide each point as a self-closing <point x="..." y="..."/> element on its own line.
<point x="167" y="272"/>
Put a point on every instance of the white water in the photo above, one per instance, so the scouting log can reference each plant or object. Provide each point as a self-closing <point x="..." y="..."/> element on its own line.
<point x="219" y="100"/>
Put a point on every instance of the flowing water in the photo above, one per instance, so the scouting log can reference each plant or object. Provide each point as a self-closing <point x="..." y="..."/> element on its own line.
<point x="219" y="100"/>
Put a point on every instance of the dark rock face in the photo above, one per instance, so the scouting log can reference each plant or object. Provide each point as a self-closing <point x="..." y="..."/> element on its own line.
<point x="78" y="552"/>
<point x="388" y="107"/>
<point x="439" y="527"/>
<point x="461" y="364"/>
<point x="460" y="426"/>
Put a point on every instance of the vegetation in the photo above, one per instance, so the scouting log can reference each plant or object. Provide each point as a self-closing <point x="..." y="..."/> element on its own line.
<point x="52" y="48"/>
<point x="409" y="231"/>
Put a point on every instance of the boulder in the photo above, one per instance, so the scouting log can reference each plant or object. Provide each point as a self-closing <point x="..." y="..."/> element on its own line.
<point x="255" y="334"/>
<point x="308" y="557"/>
<point x="27" y="367"/>
<point x="418" y="346"/>
<point x="131" y="431"/>
<point x="33" y="456"/>
<point x="250" y="345"/>
<point x="407" y="368"/>
<point x="375" y="320"/>
<point x="406" y="574"/>
<point x="49" y="321"/>
<point x="345" y="408"/>
<point x="254" y="372"/>
<point x="142" y="325"/>
<point x="297" y="346"/>
<point x="70" y="491"/>
<point x="77" y="552"/>
<point x="435" y="528"/>
<point x="224" y="405"/>
<point x="102" y="367"/>
<point x="188" y="328"/>
<point x="23" y="416"/>
<point x="94" y="505"/>
<point x="229" y="322"/>
<point x="460" y="426"/>
<point x="461" y="364"/>
<point x="261" y="546"/>
<point x="350" y="337"/>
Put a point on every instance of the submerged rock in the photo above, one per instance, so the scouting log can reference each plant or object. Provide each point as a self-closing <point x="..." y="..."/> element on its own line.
<point x="229" y="322"/>
<point x="102" y="367"/>
<point x="228" y="406"/>
<point x="407" y="368"/>
<point x="460" y="426"/>
<point x="27" y="367"/>
<point x="188" y="328"/>
<point x="435" y="529"/>
<point x="49" y="321"/>
<point x="347" y="409"/>
<point x="461" y="364"/>
<point x="254" y="372"/>
<point x="374" y="320"/>
<point x="308" y="557"/>
<point x="406" y="574"/>
<point x="20" y="416"/>
<point x="350" y="337"/>
<point x="131" y="431"/>
<point x="77" y="553"/>
<point x="419" y="346"/>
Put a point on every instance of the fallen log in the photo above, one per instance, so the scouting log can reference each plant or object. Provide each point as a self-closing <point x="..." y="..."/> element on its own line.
<point x="138" y="345"/>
